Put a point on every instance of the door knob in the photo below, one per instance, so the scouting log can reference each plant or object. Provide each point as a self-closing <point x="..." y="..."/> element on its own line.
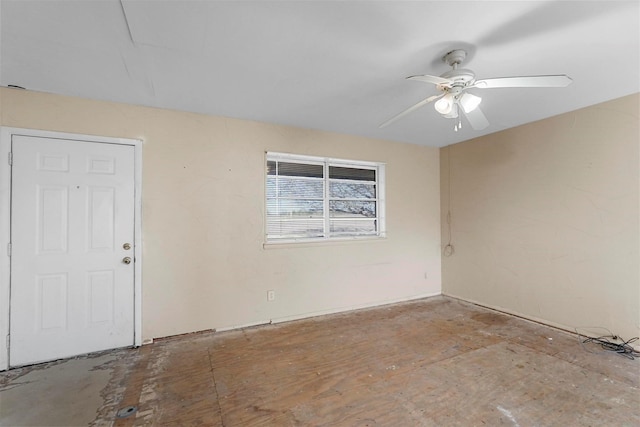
<point x="126" y="260"/>
<point x="126" y="246"/>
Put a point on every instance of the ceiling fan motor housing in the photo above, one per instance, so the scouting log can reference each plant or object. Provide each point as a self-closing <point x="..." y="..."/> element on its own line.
<point x="461" y="77"/>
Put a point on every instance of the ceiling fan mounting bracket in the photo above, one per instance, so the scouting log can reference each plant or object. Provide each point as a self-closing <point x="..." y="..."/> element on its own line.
<point x="455" y="57"/>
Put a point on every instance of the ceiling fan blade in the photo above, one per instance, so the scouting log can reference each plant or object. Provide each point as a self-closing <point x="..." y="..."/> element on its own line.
<point x="476" y="118"/>
<point x="431" y="79"/>
<point x="560" y="80"/>
<point x="411" y="109"/>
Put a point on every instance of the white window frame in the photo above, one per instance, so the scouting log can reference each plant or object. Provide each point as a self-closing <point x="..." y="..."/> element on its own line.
<point x="326" y="162"/>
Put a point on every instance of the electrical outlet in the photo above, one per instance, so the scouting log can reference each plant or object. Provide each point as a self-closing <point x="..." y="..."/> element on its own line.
<point x="425" y="275"/>
<point x="271" y="295"/>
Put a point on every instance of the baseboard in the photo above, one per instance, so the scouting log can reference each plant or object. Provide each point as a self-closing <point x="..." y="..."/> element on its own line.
<point x="327" y="312"/>
<point x="544" y="322"/>
<point x="351" y="308"/>
<point x="513" y="313"/>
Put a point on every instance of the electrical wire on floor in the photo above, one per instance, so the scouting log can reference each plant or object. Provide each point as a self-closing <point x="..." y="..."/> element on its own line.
<point x="608" y="342"/>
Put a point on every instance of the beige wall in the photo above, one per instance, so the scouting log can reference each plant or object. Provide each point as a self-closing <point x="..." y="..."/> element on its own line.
<point x="545" y="218"/>
<point x="204" y="264"/>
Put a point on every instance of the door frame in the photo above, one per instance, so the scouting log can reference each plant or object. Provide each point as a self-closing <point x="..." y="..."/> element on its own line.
<point x="6" y="134"/>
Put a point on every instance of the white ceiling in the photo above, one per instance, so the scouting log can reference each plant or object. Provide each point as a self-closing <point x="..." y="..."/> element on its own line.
<point x="329" y="65"/>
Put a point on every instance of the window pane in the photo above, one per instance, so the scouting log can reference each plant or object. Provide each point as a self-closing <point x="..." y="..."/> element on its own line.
<point x="300" y="169"/>
<point x="353" y="209"/>
<point x="271" y="187"/>
<point x="271" y="167"/>
<point x="339" y="172"/>
<point x="300" y="188"/>
<point x="295" y="228"/>
<point x="347" y="190"/>
<point x="294" y="208"/>
<point x="352" y="226"/>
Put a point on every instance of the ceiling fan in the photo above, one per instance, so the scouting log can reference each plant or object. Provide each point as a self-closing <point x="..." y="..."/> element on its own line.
<point x="454" y="100"/>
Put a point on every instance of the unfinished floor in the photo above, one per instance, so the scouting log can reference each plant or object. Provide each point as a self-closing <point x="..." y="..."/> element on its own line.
<point x="434" y="362"/>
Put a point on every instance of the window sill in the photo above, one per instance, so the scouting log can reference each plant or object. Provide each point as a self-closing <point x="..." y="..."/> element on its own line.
<point x="302" y="243"/>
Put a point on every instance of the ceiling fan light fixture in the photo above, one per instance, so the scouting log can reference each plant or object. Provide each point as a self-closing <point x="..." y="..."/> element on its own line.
<point x="445" y="104"/>
<point x="469" y="102"/>
<point x="453" y="114"/>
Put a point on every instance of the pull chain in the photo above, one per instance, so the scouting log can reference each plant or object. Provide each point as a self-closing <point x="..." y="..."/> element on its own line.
<point x="458" y="125"/>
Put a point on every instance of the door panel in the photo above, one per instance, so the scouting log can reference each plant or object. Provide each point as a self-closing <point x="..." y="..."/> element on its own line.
<point x="52" y="219"/>
<point x="51" y="298"/>
<point x="101" y="219"/>
<point x="72" y="209"/>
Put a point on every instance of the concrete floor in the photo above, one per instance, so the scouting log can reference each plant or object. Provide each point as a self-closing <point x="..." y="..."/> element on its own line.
<point x="434" y="362"/>
<point x="58" y="393"/>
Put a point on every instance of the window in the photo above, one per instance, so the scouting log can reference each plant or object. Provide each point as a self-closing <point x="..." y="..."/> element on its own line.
<point x="313" y="198"/>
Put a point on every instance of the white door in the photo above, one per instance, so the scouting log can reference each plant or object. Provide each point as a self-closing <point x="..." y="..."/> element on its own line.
<point x="72" y="226"/>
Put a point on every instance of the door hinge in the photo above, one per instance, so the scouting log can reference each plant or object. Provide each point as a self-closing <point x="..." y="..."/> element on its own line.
<point x="10" y="158"/>
<point x="8" y="249"/>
